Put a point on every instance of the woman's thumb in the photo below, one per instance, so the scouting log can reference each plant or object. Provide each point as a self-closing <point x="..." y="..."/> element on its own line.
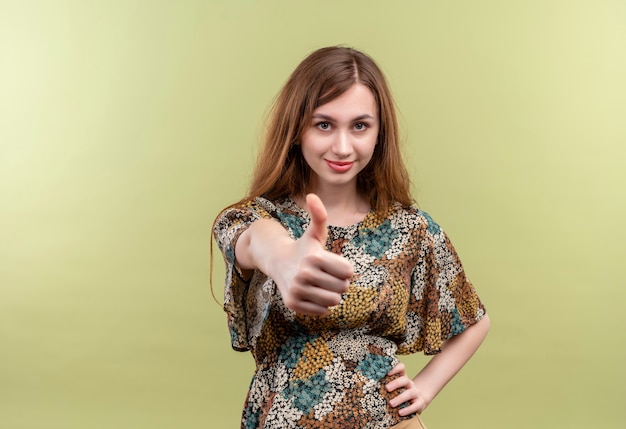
<point x="318" y="228"/>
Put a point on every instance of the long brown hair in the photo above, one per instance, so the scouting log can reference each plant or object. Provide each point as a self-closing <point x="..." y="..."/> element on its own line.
<point x="324" y="75"/>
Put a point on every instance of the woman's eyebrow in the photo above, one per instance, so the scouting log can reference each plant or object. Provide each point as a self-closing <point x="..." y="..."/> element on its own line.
<point x="330" y="118"/>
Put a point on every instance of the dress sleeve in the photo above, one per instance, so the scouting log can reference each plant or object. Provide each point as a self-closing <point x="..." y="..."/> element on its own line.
<point x="246" y="300"/>
<point x="442" y="301"/>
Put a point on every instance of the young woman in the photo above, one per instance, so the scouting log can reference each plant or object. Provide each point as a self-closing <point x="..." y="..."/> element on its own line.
<point x="331" y="271"/>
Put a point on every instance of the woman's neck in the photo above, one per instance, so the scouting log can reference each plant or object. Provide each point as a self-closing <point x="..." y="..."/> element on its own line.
<point x="344" y="207"/>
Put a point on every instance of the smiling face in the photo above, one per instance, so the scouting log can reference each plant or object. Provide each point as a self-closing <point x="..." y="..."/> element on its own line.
<point x="340" y="140"/>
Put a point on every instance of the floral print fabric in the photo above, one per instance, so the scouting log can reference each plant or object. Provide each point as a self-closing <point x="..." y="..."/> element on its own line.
<point x="409" y="293"/>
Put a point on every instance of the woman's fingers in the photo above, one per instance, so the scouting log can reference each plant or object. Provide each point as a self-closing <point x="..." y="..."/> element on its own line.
<point x="403" y="397"/>
<point x="314" y="272"/>
<point x="314" y="291"/>
<point x="398" y="369"/>
<point x="308" y="308"/>
<point x="409" y="396"/>
<point x="337" y="266"/>
<point x="310" y="283"/>
<point x="413" y="407"/>
<point x="316" y="295"/>
<point x="319" y="266"/>
<point x="400" y="382"/>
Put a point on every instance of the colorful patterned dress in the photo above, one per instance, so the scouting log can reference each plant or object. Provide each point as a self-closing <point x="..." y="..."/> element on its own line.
<point x="409" y="293"/>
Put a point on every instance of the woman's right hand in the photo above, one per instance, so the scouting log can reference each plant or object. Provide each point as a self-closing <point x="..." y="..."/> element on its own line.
<point x="310" y="278"/>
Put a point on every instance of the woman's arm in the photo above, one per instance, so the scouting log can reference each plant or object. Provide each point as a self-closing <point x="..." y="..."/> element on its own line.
<point x="309" y="278"/>
<point x="455" y="353"/>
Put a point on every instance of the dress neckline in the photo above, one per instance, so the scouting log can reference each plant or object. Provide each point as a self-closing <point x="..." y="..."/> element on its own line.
<point x="305" y="214"/>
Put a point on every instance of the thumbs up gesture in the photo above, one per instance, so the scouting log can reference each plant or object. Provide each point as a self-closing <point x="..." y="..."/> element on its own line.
<point x="313" y="278"/>
<point x="309" y="277"/>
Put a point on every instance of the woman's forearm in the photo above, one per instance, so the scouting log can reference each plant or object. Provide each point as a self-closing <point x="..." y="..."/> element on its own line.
<point x="454" y="355"/>
<point x="260" y="244"/>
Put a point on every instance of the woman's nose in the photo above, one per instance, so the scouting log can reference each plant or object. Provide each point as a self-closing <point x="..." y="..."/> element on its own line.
<point x="342" y="145"/>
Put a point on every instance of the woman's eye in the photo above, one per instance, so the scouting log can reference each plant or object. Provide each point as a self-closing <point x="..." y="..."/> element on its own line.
<point x="323" y="126"/>
<point x="360" y="126"/>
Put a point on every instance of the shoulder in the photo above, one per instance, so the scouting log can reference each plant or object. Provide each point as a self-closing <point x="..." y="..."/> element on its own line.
<point x="283" y="210"/>
<point x="257" y="207"/>
<point x="243" y="213"/>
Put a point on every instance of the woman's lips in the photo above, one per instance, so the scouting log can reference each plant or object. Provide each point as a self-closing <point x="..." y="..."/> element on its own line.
<point x="339" y="166"/>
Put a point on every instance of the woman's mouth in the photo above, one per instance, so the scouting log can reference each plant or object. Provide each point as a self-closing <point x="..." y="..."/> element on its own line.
<point x="340" y="166"/>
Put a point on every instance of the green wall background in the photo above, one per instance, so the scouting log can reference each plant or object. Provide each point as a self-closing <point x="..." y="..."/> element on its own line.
<point x="126" y="125"/>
